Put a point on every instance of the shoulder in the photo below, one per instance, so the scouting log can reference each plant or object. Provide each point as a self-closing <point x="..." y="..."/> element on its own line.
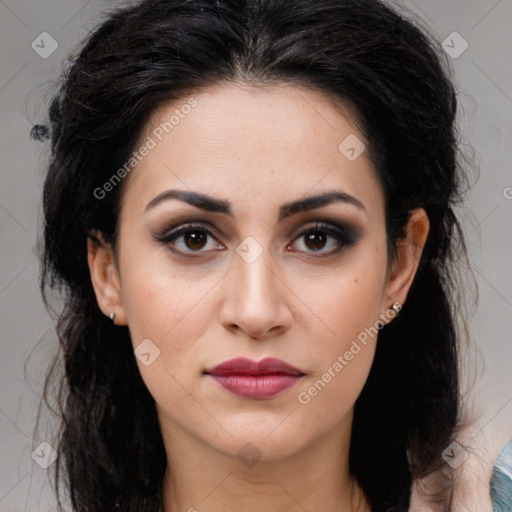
<point x="501" y="482"/>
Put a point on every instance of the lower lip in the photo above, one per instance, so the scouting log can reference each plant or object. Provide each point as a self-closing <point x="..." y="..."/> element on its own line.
<point x="262" y="386"/>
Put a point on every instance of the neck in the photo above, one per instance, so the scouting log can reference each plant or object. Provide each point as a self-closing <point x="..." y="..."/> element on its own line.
<point x="201" y="479"/>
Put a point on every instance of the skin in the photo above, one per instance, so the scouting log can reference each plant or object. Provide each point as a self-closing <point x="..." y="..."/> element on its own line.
<point x="300" y="302"/>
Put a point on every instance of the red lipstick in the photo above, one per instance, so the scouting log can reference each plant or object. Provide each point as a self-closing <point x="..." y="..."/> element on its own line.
<point x="256" y="380"/>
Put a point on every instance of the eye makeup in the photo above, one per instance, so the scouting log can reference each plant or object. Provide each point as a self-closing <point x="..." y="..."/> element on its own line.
<point x="344" y="235"/>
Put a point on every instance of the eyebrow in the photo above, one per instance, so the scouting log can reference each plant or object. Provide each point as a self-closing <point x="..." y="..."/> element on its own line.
<point x="211" y="204"/>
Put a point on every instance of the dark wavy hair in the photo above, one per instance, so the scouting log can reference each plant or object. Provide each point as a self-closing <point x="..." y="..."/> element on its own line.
<point x="364" y="54"/>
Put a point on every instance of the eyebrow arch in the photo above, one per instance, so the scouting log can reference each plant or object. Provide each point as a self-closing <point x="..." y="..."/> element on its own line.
<point x="211" y="204"/>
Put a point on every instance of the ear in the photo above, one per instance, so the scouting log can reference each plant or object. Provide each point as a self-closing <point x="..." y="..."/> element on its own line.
<point x="105" y="278"/>
<point x="403" y="269"/>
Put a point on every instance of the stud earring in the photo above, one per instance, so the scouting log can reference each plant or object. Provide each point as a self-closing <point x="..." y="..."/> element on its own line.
<point x="396" y="307"/>
<point x="112" y="316"/>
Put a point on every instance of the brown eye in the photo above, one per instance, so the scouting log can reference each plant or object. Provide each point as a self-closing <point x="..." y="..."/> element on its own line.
<point x="323" y="235"/>
<point x="315" y="240"/>
<point x="195" y="239"/>
<point x="188" y="239"/>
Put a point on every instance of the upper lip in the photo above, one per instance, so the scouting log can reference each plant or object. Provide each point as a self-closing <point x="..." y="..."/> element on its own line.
<point x="244" y="366"/>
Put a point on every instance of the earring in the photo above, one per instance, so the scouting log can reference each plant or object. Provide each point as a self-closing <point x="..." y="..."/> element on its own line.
<point x="112" y="316"/>
<point x="396" y="307"/>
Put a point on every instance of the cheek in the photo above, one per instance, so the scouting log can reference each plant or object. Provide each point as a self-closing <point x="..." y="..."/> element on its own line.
<point x="348" y="304"/>
<point x="171" y="307"/>
<point x="160" y="298"/>
<point x="344" y="354"/>
<point x="167" y="315"/>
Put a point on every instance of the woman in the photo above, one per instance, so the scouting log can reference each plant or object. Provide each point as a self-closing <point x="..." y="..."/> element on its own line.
<point x="250" y="211"/>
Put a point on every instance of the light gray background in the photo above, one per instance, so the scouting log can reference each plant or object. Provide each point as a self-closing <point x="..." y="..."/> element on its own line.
<point x="483" y="75"/>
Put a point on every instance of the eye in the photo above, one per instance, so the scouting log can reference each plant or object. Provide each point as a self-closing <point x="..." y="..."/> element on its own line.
<point x="323" y="235"/>
<point x="194" y="238"/>
<point x="190" y="238"/>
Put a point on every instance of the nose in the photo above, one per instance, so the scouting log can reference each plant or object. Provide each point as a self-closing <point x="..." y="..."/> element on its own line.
<point x="256" y="298"/>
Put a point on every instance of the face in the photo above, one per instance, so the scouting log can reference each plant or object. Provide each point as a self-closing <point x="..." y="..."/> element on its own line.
<point x="255" y="270"/>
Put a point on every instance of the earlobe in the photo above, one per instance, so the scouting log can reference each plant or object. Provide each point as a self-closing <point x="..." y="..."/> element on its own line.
<point x="409" y="251"/>
<point x="105" y="279"/>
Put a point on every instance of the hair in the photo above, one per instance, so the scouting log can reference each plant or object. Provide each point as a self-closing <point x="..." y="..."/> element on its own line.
<point x="363" y="54"/>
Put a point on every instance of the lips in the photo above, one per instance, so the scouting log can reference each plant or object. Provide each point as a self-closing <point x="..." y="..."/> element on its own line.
<point x="243" y="366"/>
<point x="255" y="380"/>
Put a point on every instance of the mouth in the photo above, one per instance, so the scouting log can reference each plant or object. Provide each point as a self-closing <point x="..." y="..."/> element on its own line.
<point x="255" y="380"/>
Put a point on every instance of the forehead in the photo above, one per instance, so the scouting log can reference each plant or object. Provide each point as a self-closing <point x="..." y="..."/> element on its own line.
<point x="247" y="142"/>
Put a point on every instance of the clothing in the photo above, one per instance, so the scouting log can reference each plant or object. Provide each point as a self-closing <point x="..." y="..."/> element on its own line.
<point x="501" y="482"/>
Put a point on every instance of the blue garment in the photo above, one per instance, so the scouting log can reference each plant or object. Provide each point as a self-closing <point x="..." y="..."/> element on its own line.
<point x="501" y="482"/>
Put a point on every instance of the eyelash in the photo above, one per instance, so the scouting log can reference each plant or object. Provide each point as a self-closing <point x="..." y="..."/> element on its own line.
<point x="344" y="237"/>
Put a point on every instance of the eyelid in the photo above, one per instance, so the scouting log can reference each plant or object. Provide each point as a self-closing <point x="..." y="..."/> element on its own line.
<point x="179" y="219"/>
<point x="345" y="235"/>
<point x="175" y="231"/>
<point x="185" y="223"/>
